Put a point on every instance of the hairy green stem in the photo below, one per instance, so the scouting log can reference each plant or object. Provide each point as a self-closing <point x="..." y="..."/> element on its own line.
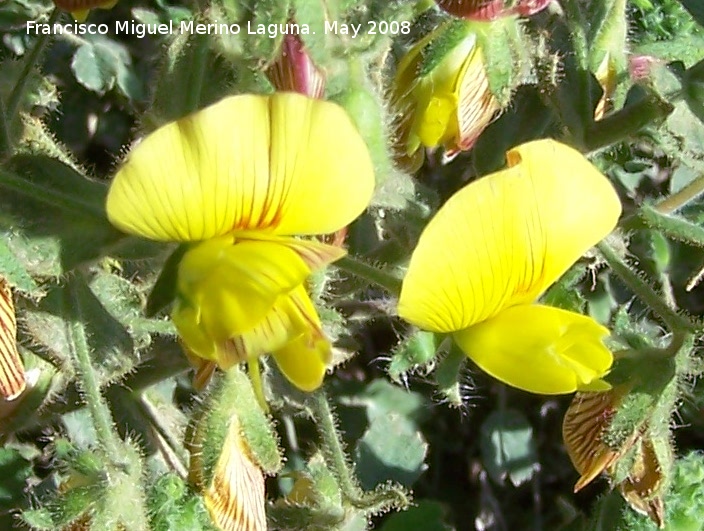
<point x="682" y="197"/>
<point x="30" y="61"/>
<point x="333" y="445"/>
<point x="643" y="290"/>
<point x="88" y="381"/>
<point x="374" y="275"/>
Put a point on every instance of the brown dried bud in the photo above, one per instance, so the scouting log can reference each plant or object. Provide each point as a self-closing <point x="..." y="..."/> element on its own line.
<point x="12" y="377"/>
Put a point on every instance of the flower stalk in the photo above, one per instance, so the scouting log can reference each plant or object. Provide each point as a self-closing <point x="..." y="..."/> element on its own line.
<point x="88" y="381"/>
<point x="643" y="290"/>
<point x="374" y="275"/>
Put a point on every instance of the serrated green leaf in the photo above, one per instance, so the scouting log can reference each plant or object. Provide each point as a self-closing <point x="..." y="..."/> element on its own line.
<point x="391" y="449"/>
<point x="507" y="447"/>
<point x="14" y="272"/>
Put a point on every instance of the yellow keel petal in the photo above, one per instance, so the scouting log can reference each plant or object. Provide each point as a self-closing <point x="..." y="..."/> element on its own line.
<point x="539" y="349"/>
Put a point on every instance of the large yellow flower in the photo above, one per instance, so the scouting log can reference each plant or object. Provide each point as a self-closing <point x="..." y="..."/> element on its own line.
<point x="494" y="248"/>
<point x="443" y="101"/>
<point x="239" y="179"/>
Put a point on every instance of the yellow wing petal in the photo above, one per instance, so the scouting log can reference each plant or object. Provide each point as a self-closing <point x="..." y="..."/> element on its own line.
<point x="540" y="349"/>
<point x="502" y="240"/>
<point x="285" y="163"/>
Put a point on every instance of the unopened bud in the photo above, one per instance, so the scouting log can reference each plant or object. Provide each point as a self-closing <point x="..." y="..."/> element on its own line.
<point x="294" y="70"/>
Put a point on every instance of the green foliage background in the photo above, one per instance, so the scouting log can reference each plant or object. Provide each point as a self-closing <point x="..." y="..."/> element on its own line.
<point x="413" y="415"/>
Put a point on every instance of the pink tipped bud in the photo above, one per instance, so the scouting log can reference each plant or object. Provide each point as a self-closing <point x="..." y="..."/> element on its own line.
<point x="294" y="70"/>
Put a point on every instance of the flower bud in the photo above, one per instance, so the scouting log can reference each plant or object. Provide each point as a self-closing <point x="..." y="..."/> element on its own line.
<point x="442" y="93"/>
<point x="294" y="70"/>
<point x="492" y="9"/>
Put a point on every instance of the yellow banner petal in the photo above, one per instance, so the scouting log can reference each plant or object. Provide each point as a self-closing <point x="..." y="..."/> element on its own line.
<point x="286" y="164"/>
<point x="503" y="239"/>
<point x="539" y="349"/>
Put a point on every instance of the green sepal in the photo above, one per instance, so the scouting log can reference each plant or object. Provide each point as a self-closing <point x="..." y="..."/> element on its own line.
<point x="173" y="506"/>
<point x="413" y="353"/>
<point x="232" y="395"/>
<point x="164" y="291"/>
<point x="507" y="55"/>
<point x="449" y="375"/>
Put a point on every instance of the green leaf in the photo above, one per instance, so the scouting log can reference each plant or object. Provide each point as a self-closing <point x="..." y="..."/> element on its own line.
<point x="100" y="63"/>
<point x="14" y="471"/>
<point x="51" y="216"/>
<point x="391" y="449"/>
<point x="15" y="273"/>
<point x="507" y="447"/>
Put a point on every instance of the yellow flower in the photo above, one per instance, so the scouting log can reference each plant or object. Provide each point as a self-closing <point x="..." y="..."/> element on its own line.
<point x="445" y="102"/>
<point x="239" y="179"/>
<point x="79" y="9"/>
<point x="494" y="248"/>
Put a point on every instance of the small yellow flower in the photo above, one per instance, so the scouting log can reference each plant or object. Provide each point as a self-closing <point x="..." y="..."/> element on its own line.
<point x="79" y="9"/>
<point x="237" y="180"/>
<point x="445" y="102"/>
<point x="494" y="248"/>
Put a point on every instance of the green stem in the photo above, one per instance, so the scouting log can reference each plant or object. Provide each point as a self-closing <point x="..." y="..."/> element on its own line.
<point x="374" y="275"/>
<point x="335" y="452"/>
<point x="576" y="24"/>
<point x="15" y="98"/>
<point x="682" y="197"/>
<point x="102" y="420"/>
<point x="626" y="122"/>
<point x="197" y="73"/>
<point x="643" y="290"/>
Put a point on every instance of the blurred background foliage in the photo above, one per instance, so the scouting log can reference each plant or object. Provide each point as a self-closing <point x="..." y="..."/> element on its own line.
<point x="476" y="454"/>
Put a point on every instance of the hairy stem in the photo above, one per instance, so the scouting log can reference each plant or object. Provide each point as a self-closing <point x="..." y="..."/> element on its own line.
<point x="373" y="274"/>
<point x="333" y="445"/>
<point x="643" y="290"/>
<point x="88" y="381"/>
<point x="682" y="197"/>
